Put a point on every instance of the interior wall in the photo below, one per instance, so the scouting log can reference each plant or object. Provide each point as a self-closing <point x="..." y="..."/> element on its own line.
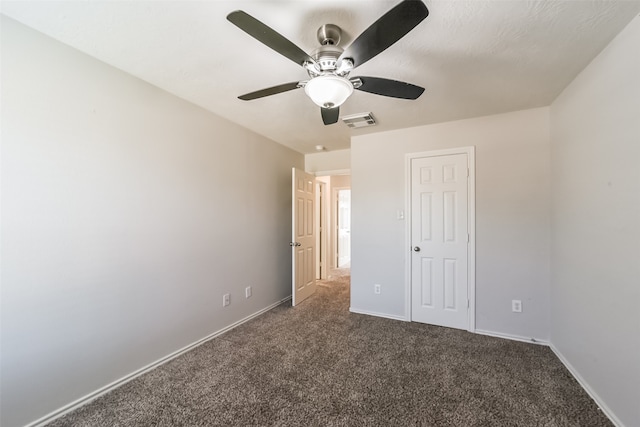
<point x="126" y="213"/>
<point x="512" y="217"/>
<point x="595" y="321"/>
<point x="327" y="162"/>
<point x="341" y="181"/>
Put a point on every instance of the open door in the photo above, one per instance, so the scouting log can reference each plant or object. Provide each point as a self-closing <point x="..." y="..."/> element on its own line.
<point x="303" y="239"/>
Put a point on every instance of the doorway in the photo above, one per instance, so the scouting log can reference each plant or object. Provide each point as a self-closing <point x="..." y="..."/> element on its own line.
<point x="333" y="222"/>
<point x="343" y="217"/>
<point x="322" y="238"/>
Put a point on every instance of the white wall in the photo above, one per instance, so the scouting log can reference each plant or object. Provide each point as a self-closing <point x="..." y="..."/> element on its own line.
<point x="512" y="217"/>
<point x="126" y="214"/>
<point x="328" y="161"/>
<point x="340" y="181"/>
<point x="595" y="321"/>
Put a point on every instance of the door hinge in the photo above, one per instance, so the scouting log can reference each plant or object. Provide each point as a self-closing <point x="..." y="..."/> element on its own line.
<point x="468" y="238"/>
<point x="468" y="304"/>
<point x="467" y="172"/>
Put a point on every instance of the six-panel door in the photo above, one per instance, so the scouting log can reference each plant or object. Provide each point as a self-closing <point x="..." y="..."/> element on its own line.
<point x="439" y="237"/>
<point x="303" y="236"/>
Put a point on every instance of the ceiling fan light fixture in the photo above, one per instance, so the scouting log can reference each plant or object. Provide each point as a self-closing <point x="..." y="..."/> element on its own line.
<point x="328" y="91"/>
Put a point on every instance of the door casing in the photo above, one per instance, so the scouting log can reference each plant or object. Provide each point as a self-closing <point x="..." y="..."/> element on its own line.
<point x="322" y="263"/>
<point x="471" y="203"/>
<point x="336" y="224"/>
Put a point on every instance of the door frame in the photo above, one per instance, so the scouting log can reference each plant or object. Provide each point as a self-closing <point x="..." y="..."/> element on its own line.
<point x="322" y="265"/>
<point x="336" y="223"/>
<point x="471" y="218"/>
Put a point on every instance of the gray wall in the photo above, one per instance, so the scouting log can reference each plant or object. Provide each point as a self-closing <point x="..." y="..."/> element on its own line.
<point x="126" y="214"/>
<point x="595" y="321"/>
<point x="512" y="217"/>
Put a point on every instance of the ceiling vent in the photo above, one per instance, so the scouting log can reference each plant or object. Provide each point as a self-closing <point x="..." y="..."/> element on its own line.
<point x="360" y="120"/>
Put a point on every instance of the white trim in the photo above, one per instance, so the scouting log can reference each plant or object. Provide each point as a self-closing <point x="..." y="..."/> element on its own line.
<point x="322" y="263"/>
<point x="471" y="227"/>
<point x="512" y="337"/>
<point x="293" y="235"/>
<point x="373" y="313"/>
<point x="585" y="385"/>
<point x="332" y="172"/>
<point x="117" y="383"/>
<point x="335" y="224"/>
<point x="471" y="254"/>
<point x="407" y="238"/>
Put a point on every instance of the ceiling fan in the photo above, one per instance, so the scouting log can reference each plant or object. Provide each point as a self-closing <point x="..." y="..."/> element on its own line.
<point x="329" y="84"/>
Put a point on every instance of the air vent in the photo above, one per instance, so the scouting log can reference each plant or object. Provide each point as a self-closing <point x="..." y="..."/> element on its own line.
<point x="359" y="120"/>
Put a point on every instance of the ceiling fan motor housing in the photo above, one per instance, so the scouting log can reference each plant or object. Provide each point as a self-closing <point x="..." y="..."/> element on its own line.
<point x="329" y="34"/>
<point x="326" y="56"/>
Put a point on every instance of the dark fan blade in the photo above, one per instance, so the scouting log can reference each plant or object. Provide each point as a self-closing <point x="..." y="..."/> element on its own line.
<point x="330" y="115"/>
<point x="387" y="30"/>
<point x="392" y="88"/>
<point x="268" y="36"/>
<point x="269" y="91"/>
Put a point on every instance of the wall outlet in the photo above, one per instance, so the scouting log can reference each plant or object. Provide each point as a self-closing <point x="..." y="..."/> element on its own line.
<point x="247" y="292"/>
<point x="516" y="306"/>
<point x="376" y="289"/>
<point x="226" y="300"/>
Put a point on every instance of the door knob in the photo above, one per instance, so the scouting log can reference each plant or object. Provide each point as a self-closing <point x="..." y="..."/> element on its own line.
<point x="295" y="244"/>
<point x="416" y="249"/>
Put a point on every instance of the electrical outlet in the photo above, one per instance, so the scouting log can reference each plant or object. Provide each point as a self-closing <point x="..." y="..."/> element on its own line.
<point x="226" y="300"/>
<point x="516" y="306"/>
<point x="247" y="292"/>
<point x="376" y="289"/>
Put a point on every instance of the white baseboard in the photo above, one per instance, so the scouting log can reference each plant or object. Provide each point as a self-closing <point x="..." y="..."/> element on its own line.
<point x="373" y="313"/>
<point x="512" y="337"/>
<point x="117" y="383"/>
<point x="603" y="407"/>
<point x="109" y="387"/>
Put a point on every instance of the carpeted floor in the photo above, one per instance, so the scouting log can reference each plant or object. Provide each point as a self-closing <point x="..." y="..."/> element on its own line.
<point x="318" y="365"/>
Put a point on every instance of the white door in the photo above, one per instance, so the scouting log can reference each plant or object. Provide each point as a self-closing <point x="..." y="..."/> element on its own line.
<point x="439" y="240"/>
<point x="303" y="238"/>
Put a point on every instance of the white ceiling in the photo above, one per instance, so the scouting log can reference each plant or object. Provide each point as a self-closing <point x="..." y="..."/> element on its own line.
<point x="473" y="57"/>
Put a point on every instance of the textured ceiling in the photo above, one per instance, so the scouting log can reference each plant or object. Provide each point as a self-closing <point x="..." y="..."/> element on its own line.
<point x="473" y="57"/>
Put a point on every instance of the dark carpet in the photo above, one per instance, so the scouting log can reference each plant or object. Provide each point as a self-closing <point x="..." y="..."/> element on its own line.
<point x="318" y="365"/>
